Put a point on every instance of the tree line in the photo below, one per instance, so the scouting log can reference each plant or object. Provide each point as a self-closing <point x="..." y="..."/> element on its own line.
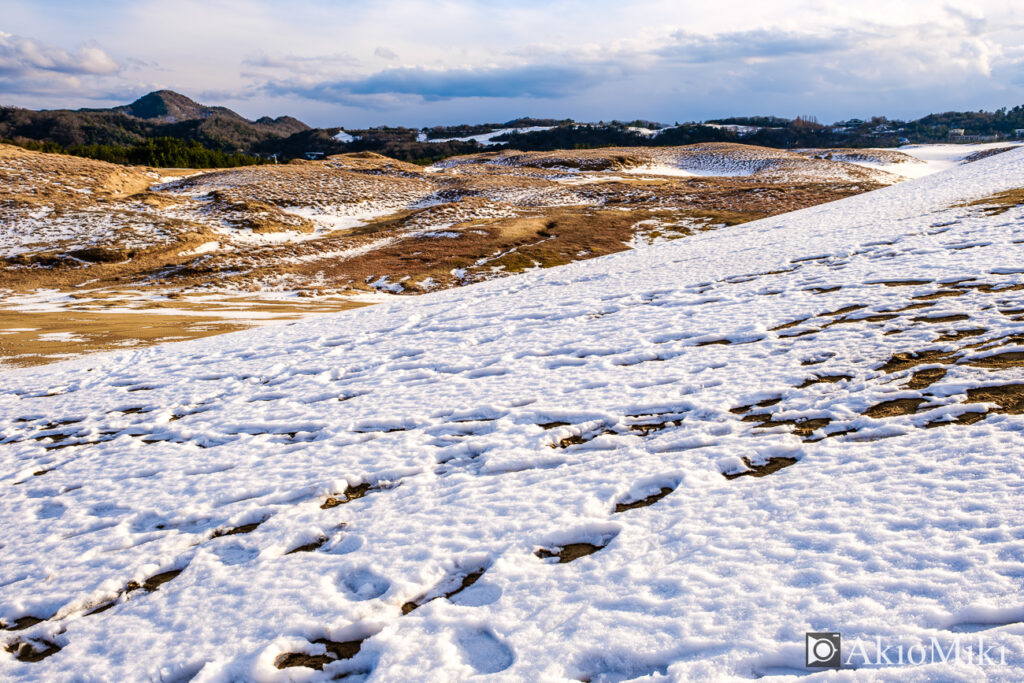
<point x="162" y="152"/>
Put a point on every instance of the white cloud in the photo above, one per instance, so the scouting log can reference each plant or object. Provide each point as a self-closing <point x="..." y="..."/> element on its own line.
<point x="658" y="59"/>
<point x="26" y="57"/>
<point x="28" y="66"/>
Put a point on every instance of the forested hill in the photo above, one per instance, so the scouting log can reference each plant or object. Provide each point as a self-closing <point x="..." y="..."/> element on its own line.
<point x="160" y="125"/>
<point x="166" y="125"/>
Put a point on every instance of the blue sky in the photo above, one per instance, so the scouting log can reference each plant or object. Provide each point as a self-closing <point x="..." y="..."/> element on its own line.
<point x="396" y="62"/>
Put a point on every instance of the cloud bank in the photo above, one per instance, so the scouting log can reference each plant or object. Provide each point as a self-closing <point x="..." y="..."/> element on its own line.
<point x="27" y="65"/>
<point x="397" y="62"/>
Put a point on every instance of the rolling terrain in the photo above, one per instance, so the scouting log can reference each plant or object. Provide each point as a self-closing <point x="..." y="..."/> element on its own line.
<point x="187" y="253"/>
<point x="669" y="463"/>
<point x="98" y="256"/>
<point x="340" y="221"/>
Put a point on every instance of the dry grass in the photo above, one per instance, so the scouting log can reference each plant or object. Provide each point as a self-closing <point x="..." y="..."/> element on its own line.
<point x="986" y="153"/>
<point x="1000" y="203"/>
<point x="856" y="154"/>
<point x="350" y="222"/>
<point x="494" y="213"/>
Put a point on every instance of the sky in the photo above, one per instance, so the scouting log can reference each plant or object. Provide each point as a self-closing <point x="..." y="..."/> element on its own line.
<point x="397" y="62"/>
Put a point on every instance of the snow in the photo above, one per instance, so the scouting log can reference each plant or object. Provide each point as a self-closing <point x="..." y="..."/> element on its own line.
<point x="344" y="217"/>
<point x="584" y="167"/>
<point x="739" y="130"/>
<point x="204" y="248"/>
<point x="588" y="178"/>
<point x="170" y="178"/>
<point x="658" y="169"/>
<point x="383" y="284"/>
<point x="487" y="139"/>
<point x="933" y="158"/>
<point x="516" y="416"/>
<point x="707" y="166"/>
<point x="946" y="156"/>
<point x="342" y="136"/>
<point x="61" y="337"/>
<point x="439" y="234"/>
<point x="341" y="254"/>
<point x="25" y="232"/>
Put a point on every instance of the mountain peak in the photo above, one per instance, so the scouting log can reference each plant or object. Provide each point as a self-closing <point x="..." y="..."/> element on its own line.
<point x="170" y="106"/>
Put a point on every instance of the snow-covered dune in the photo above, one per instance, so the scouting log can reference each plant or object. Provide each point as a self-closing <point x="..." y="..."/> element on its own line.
<point x="913" y="161"/>
<point x="716" y="159"/>
<point x="667" y="462"/>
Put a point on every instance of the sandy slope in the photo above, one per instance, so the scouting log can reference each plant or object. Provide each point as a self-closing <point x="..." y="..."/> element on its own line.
<point x="811" y="422"/>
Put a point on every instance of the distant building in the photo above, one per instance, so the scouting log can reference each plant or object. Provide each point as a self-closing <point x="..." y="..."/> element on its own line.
<point x="956" y="132"/>
<point x="1019" y="132"/>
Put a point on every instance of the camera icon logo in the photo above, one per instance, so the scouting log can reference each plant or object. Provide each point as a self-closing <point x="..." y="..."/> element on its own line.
<point x="824" y="650"/>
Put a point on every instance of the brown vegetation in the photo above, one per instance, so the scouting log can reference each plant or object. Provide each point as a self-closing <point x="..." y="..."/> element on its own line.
<point x="355" y="223"/>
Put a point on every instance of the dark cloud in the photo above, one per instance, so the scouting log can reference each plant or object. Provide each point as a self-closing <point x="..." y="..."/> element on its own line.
<point x="134" y="63"/>
<point x="975" y="25"/>
<point x="686" y="47"/>
<point x="530" y="81"/>
<point x="262" y="60"/>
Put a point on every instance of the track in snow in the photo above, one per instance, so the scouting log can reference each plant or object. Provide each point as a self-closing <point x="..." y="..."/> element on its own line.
<point x="666" y="462"/>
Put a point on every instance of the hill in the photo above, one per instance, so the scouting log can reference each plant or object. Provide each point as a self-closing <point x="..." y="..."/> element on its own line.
<point x="97" y="256"/>
<point x="359" y="223"/>
<point x="168" y="106"/>
<point x="167" y="114"/>
<point x="671" y="462"/>
<point x="159" y="114"/>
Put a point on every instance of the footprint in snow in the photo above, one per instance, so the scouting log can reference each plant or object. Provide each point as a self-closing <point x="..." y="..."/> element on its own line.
<point x="364" y="584"/>
<point x="578" y="543"/>
<point x="332" y="652"/>
<point x="51" y="510"/>
<point x="232" y="554"/>
<point x="483" y="651"/>
<point x="448" y="588"/>
<point x="632" y="504"/>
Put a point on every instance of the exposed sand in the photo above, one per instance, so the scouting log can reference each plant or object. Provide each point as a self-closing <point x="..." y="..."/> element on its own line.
<point x="106" y="323"/>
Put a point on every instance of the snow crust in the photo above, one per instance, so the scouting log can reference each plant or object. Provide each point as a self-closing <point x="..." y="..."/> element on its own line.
<point x="501" y="419"/>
